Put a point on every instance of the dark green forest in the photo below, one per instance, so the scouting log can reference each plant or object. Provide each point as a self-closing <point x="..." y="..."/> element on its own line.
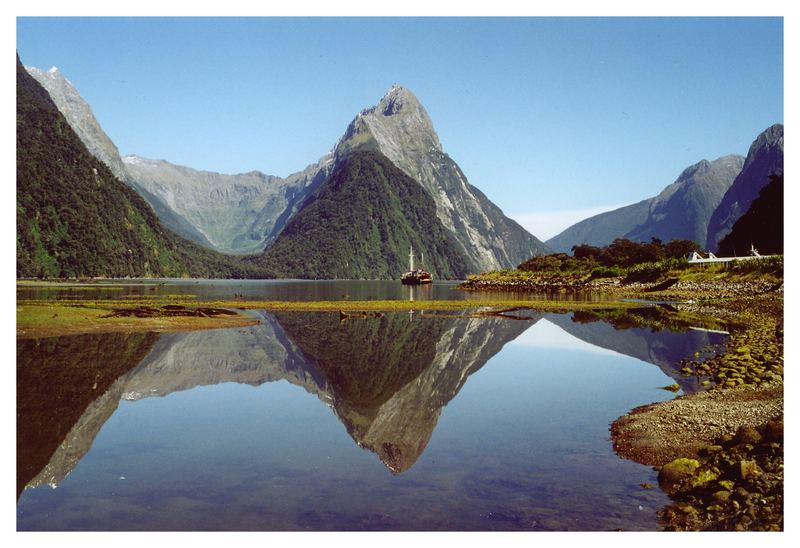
<point x="360" y="224"/>
<point x="75" y="219"/>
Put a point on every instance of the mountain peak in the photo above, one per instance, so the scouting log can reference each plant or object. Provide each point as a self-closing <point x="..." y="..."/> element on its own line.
<point x="397" y="124"/>
<point x="731" y="162"/>
<point x="396" y="99"/>
<point x="52" y="73"/>
<point x="769" y="141"/>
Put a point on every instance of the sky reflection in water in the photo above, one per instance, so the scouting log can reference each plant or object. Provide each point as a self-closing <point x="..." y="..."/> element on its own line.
<point x="440" y="423"/>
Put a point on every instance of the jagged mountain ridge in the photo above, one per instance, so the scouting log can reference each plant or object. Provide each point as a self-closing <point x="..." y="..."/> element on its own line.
<point x="400" y="128"/>
<point x="244" y="213"/>
<point x="80" y="117"/>
<point x="681" y="211"/>
<point x="239" y="213"/>
<point x="764" y="158"/>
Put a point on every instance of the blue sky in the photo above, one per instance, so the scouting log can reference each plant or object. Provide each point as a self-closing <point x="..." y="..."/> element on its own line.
<point x="553" y="118"/>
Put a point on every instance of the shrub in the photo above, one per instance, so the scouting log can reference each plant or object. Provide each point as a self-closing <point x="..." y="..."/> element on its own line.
<point x="606" y="272"/>
<point x="767" y="265"/>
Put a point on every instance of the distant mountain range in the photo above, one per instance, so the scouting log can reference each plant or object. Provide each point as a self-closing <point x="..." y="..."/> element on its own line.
<point x="246" y="213"/>
<point x="240" y="213"/>
<point x="681" y="211"/>
<point x="701" y="205"/>
<point x="259" y="214"/>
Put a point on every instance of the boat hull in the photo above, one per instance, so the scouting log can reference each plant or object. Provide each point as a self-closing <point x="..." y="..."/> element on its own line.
<point x="415" y="281"/>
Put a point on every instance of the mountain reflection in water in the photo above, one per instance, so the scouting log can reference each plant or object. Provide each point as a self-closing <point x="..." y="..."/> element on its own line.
<point x="387" y="379"/>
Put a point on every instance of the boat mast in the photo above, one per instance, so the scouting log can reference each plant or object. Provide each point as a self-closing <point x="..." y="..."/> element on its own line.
<point x="411" y="258"/>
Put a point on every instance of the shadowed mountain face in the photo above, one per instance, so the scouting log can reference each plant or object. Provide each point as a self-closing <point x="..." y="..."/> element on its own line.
<point x="765" y="158"/>
<point x="681" y="211"/>
<point x="761" y="227"/>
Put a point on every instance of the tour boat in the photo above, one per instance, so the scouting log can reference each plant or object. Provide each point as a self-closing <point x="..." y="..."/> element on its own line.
<point x="415" y="276"/>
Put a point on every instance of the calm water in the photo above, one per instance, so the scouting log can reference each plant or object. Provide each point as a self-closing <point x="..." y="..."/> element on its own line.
<point x="405" y="422"/>
<point x="279" y="290"/>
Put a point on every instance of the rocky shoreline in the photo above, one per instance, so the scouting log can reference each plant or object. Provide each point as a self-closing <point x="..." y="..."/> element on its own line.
<point x="719" y="452"/>
<point x="735" y="483"/>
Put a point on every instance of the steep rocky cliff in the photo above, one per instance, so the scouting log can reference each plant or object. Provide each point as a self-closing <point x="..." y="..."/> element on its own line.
<point x="81" y="119"/>
<point x="400" y="128"/>
<point x="765" y="158"/>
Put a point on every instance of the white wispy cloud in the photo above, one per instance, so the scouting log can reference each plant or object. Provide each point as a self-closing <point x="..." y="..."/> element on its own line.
<point x="545" y="334"/>
<point x="546" y="224"/>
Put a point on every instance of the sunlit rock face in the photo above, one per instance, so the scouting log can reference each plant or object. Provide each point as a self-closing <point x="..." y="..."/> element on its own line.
<point x="400" y="128"/>
<point x="80" y="117"/>
<point x="239" y="213"/>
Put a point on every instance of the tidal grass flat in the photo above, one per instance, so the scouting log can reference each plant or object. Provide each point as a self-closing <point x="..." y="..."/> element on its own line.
<point x="42" y="317"/>
<point x="55" y="319"/>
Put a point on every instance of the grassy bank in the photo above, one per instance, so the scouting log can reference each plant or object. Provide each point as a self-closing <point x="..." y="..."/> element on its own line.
<point x="43" y="318"/>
